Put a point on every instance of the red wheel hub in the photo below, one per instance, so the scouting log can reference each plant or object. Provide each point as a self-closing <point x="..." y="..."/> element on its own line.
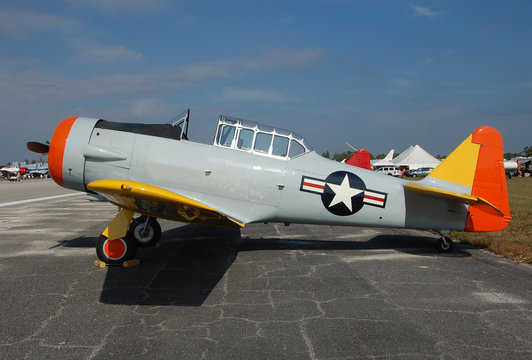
<point x="115" y="249"/>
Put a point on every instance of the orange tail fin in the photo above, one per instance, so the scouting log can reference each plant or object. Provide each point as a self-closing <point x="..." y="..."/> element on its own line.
<point x="478" y="163"/>
<point x="489" y="183"/>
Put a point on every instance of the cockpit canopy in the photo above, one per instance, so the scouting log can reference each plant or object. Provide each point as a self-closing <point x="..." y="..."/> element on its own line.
<point x="249" y="136"/>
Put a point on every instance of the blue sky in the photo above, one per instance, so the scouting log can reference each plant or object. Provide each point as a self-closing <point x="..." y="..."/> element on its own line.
<point x="377" y="74"/>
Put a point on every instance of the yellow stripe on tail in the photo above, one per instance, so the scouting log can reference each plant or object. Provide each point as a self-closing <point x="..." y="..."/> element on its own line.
<point x="459" y="167"/>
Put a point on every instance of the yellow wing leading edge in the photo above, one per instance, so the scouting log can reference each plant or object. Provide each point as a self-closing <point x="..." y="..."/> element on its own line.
<point x="158" y="202"/>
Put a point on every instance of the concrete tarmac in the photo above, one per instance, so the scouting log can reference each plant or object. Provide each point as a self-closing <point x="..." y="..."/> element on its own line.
<point x="264" y="292"/>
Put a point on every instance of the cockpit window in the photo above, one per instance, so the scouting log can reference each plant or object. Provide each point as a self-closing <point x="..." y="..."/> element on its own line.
<point x="245" y="139"/>
<point x="227" y="135"/>
<point x="296" y="148"/>
<point x="280" y="145"/>
<point x="265" y="140"/>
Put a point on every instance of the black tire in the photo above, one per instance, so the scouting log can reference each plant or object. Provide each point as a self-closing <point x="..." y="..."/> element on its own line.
<point x="145" y="235"/>
<point x="125" y="249"/>
<point x="414" y="175"/>
<point x="445" y="244"/>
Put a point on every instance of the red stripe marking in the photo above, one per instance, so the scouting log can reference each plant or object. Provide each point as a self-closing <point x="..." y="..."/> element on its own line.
<point x="314" y="185"/>
<point x="369" y="197"/>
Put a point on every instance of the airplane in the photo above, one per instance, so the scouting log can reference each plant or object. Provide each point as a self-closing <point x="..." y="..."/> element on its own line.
<point x="40" y="172"/>
<point x="361" y="158"/>
<point x="13" y="173"/>
<point x="387" y="160"/>
<point x="254" y="173"/>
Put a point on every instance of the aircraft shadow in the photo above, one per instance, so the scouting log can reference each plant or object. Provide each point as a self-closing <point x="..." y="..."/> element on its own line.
<point x="193" y="259"/>
<point x="79" y="242"/>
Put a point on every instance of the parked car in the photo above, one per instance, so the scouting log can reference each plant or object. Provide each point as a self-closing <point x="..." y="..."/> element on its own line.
<point x="389" y="170"/>
<point x="424" y="171"/>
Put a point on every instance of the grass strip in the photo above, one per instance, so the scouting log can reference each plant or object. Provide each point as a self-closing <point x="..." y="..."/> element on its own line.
<point x="514" y="242"/>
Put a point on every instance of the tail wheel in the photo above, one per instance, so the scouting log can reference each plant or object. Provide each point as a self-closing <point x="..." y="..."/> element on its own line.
<point x="145" y="231"/>
<point x="116" y="251"/>
<point x="445" y="244"/>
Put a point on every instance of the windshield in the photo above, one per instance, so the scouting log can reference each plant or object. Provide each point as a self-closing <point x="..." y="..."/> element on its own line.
<point x="180" y="122"/>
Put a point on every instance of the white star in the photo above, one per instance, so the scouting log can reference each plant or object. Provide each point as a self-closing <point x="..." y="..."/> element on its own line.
<point x="343" y="193"/>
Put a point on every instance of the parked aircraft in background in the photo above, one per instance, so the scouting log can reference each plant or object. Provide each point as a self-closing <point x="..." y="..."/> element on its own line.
<point x="254" y="173"/>
<point x="386" y="161"/>
<point x="39" y="172"/>
<point x="361" y="158"/>
<point x="13" y="173"/>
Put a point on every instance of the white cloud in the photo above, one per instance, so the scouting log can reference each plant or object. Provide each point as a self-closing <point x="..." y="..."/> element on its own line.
<point x="262" y="95"/>
<point x="45" y="89"/>
<point x="107" y="54"/>
<point x="18" y="22"/>
<point x="114" y="6"/>
<point x="426" y="11"/>
<point x="294" y="58"/>
<point x="145" y="108"/>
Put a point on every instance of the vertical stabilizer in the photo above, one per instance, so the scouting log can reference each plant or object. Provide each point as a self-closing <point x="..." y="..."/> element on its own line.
<point x="478" y="163"/>
<point x="361" y="159"/>
<point x="389" y="156"/>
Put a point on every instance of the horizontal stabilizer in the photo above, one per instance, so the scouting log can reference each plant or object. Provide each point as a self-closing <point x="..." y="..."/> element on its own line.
<point x="463" y="198"/>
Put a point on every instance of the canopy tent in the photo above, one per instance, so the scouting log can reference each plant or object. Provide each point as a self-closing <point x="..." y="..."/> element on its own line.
<point x="415" y="157"/>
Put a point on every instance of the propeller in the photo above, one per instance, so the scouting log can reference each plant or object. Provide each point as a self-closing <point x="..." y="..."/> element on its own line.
<point x="38" y="147"/>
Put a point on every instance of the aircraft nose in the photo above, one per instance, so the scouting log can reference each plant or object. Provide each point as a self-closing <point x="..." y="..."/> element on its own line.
<point x="57" y="149"/>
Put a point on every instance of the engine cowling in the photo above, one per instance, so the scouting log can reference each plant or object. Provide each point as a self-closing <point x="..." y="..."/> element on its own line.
<point x="66" y="159"/>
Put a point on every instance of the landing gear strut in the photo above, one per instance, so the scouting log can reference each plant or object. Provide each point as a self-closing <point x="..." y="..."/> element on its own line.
<point x="146" y="231"/>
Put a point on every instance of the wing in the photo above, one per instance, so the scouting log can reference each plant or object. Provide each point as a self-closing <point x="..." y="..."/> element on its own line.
<point x="158" y="202"/>
<point x="463" y="198"/>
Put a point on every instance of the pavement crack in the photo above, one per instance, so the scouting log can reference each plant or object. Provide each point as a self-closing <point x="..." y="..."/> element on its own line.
<point x="308" y="341"/>
<point x="62" y="305"/>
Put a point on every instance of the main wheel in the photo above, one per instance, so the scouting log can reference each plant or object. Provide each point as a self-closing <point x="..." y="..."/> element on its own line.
<point x="414" y="175"/>
<point x="116" y="251"/>
<point x="145" y="231"/>
<point x="445" y="244"/>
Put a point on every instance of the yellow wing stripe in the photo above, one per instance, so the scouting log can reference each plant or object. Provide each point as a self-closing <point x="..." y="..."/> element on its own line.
<point x="464" y="198"/>
<point x="155" y="201"/>
<point x="134" y="188"/>
<point x="460" y="166"/>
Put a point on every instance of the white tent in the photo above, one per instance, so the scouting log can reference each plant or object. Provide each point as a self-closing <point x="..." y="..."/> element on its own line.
<point x="416" y="157"/>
